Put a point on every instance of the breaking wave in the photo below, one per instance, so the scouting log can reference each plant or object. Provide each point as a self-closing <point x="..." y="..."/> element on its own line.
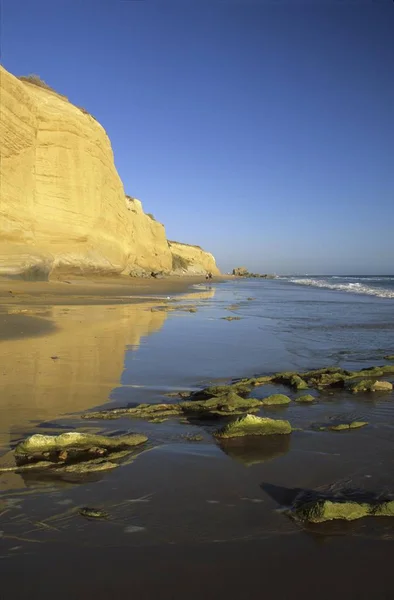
<point x="355" y="288"/>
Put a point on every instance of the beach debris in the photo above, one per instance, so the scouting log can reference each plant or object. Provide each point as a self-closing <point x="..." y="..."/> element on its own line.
<point x="306" y="399"/>
<point x="72" y="447"/>
<point x="93" y="513"/>
<point x="344" y="426"/>
<point x="275" y="399"/>
<point x="252" y="425"/>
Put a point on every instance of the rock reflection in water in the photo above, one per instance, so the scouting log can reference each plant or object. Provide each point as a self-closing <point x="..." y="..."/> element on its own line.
<point x="251" y="451"/>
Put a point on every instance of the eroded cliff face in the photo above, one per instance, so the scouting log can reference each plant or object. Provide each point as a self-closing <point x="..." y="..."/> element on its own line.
<point x="62" y="203"/>
<point x="191" y="260"/>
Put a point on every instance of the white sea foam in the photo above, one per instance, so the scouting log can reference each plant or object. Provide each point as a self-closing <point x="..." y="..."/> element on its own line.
<point x="355" y="288"/>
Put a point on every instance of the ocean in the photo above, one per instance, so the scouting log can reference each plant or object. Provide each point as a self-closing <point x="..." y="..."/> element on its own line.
<point x="191" y="517"/>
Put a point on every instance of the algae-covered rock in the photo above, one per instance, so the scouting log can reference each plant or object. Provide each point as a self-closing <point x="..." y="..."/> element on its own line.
<point x="275" y="399"/>
<point x="370" y="385"/>
<point x="307" y="399"/>
<point x="225" y="404"/>
<point x="72" y="446"/>
<point x="142" y="411"/>
<point x="252" y="425"/>
<point x="389" y="357"/>
<point x="93" y="513"/>
<point x="345" y="426"/>
<point x="291" y="379"/>
<point x="321" y="510"/>
<point x="382" y="386"/>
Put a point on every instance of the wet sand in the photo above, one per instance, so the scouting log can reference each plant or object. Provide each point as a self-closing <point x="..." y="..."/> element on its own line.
<point x="99" y="290"/>
<point x="186" y="519"/>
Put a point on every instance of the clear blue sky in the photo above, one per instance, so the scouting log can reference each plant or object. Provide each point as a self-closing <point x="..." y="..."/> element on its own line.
<point x="262" y="130"/>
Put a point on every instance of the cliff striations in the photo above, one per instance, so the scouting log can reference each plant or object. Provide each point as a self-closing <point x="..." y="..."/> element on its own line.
<point x="62" y="204"/>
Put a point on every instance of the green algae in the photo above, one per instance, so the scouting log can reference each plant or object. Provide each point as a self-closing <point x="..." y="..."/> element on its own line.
<point x="275" y="399"/>
<point x="389" y="357"/>
<point x="292" y="380"/>
<point x="307" y="399"/>
<point x="251" y="425"/>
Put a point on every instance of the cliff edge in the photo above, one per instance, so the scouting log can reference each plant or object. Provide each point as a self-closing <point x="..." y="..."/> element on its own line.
<point x="63" y="208"/>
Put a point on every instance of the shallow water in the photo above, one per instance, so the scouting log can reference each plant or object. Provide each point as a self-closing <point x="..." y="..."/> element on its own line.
<point x="196" y="518"/>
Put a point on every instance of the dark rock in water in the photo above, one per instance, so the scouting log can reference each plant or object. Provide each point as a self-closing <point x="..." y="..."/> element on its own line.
<point x="255" y="449"/>
<point x="93" y="513"/>
<point x="252" y="425"/>
<point x="310" y="506"/>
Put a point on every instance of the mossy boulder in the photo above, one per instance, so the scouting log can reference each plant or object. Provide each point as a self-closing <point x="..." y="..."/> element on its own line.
<point x="321" y="510"/>
<point x="253" y="425"/>
<point x="72" y="447"/>
<point x="389" y="357"/>
<point x="307" y="399"/>
<point x="275" y="399"/>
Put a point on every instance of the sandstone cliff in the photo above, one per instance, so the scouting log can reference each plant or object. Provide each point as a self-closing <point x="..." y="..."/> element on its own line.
<point x="191" y="260"/>
<point x="62" y="203"/>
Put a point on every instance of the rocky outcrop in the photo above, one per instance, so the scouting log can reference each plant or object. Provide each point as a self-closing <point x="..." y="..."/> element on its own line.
<point x="62" y="205"/>
<point x="191" y="260"/>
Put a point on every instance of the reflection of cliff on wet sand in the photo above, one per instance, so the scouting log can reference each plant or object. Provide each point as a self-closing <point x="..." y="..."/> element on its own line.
<point x="252" y="451"/>
<point x="72" y="369"/>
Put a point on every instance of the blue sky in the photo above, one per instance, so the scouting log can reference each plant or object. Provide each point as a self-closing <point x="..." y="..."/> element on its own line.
<point x="262" y="130"/>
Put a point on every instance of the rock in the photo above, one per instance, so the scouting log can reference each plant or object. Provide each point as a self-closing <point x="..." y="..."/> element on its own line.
<point x="240" y="271"/>
<point x="221" y="405"/>
<point x="345" y="426"/>
<point x="307" y="399"/>
<point x="389" y="357"/>
<point x="53" y="150"/>
<point x="71" y="446"/>
<point x="93" y="513"/>
<point x="291" y="379"/>
<point x="321" y="510"/>
<point x="142" y="411"/>
<point x="231" y="318"/>
<point x="370" y="385"/>
<point x="252" y="425"/>
<point x="275" y="399"/>
<point x="382" y="386"/>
